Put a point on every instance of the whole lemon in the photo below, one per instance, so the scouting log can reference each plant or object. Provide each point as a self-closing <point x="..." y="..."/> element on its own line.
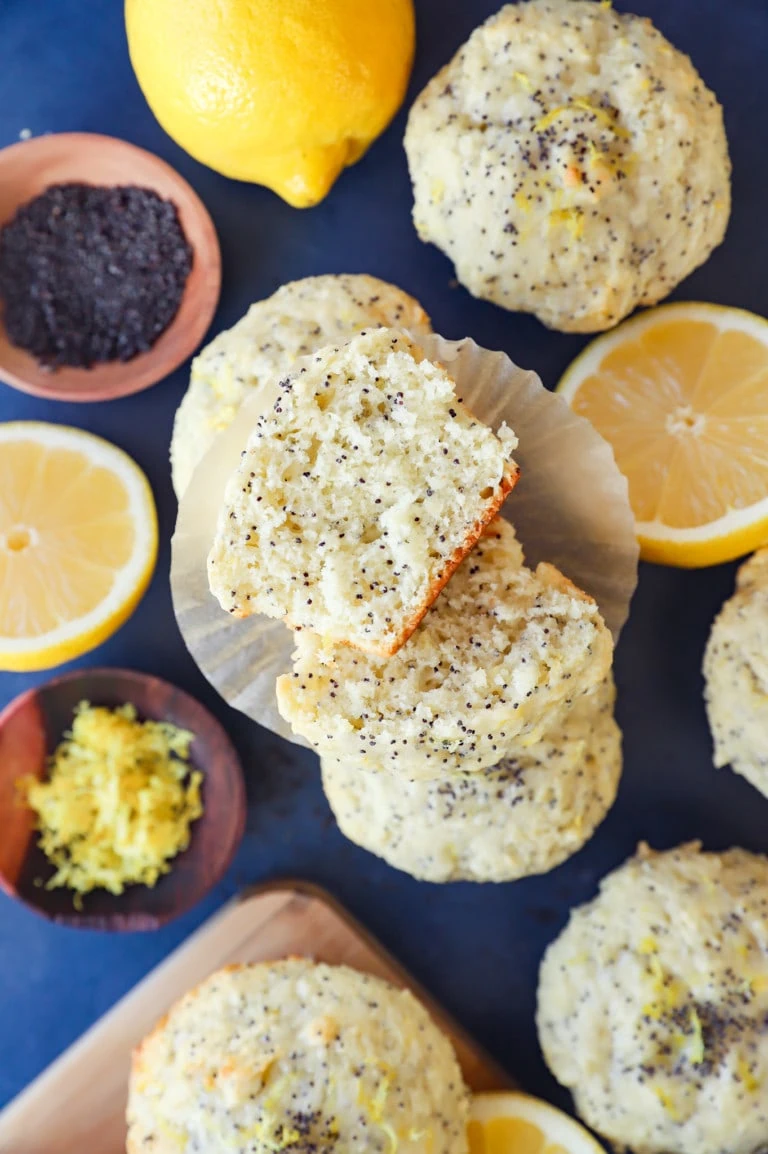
<point x="284" y="93"/>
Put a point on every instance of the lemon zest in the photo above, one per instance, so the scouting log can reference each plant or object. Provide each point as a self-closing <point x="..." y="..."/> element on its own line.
<point x="117" y="803"/>
<point x="743" y="1071"/>
<point x="376" y="1105"/>
<point x="670" y="992"/>
<point x="173" y="1134"/>
<point x="437" y="191"/>
<point x="550" y="117"/>
<point x="666" y="1100"/>
<point x="261" y="1132"/>
<point x="379" y="1100"/>
<point x="582" y="104"/>
<point x="572" y="218"/>
<point x="391" y="1134"/>
<point x="602" y="116"/>
<point x="696" y="1048"/>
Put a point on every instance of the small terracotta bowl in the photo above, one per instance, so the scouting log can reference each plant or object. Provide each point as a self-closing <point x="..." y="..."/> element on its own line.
<point x="30" y="729"/>
<point x="26" y="170"/>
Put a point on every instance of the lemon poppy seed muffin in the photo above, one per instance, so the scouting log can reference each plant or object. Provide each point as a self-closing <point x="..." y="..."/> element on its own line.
<point x="296" y="1056"/>
<point x="357" y="495"/>
<point x="524" y="816"/>
<point x="736" y="675"/>
<point x="653" y="1004"/>
<point x="501" y="647"/>
<point x="570" y="162"/>
<point x="298" y="319"/>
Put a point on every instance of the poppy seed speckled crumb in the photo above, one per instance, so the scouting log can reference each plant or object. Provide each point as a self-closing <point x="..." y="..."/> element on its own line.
<point x="357" y="495"/>
<point x="524" y="816"/>
<point x="498" y="651"/>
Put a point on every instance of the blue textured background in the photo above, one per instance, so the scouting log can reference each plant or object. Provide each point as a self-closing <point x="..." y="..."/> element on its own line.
<point x="64" y="66"/>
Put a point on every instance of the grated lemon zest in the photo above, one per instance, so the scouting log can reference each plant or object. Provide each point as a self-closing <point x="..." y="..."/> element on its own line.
<point x="696" y="1047"/>
<point x="117" y="803"/>
<point x="670" y="992"/>
<point x="572" y="218"/>
<point x="437" y="190"/>
<point x="391" y="1134"/>
<point x="602" y="116"/>
<point x="375" y="1106"/>
<point x="173" y="1134"/>
<point x="750" y="1082"/>
<point x="667" y="1103"/>
<point x="379" y="1100"/>
<point x="582" y="104"/>
<point x="550" y="117"/>
<point x="265" y="1133"/>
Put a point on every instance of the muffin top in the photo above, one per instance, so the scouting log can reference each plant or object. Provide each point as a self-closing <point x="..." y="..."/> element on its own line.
<point x="570" y="162"/>
<point x="523" y="816"/>
<point x="358" y="494"/>
<point x="736" y="672"/>
<point x="296" y="1056"/>
<point x="500" y="649"/>
<point x="653" y="1003"/>
<point x="298" y="319"/>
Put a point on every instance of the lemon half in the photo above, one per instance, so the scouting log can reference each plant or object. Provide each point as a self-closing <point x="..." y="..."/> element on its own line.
<point x="512" y="1123"/>
<point x="78" y="542"/>
<point x="681" y="394"/>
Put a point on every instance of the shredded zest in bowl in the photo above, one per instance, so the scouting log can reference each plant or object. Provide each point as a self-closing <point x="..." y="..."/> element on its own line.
<point x="117" y="803"/>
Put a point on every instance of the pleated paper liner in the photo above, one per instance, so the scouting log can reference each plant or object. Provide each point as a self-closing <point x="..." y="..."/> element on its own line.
<point x="570" y="507"/>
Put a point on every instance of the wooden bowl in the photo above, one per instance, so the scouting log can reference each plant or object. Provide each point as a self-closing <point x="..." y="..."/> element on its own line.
<point x="31" y="728"/>
<point x="26" y="170"/>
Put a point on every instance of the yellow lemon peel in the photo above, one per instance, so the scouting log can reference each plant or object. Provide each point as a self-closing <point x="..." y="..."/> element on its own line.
<point x="582" y="104"/>
<point x="669" y="991"/>
<point x="571" y="218"/>
<point x="746" y="1077"/>
<point x="668" y="1103"/>
<point x="695" y="1047"/>
<point x="281" y="95"/>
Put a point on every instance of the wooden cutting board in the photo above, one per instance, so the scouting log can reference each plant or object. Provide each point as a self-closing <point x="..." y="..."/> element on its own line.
<point x="78" y="1104"/>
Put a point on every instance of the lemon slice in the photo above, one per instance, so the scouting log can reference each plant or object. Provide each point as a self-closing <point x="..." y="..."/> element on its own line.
<point x="511" y="1123"/>
<point x="681" y="393"/>
<point x="78" y="542"/>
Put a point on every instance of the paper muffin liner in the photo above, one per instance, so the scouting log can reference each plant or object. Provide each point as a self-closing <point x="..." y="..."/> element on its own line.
<point x="570" y="507"/>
